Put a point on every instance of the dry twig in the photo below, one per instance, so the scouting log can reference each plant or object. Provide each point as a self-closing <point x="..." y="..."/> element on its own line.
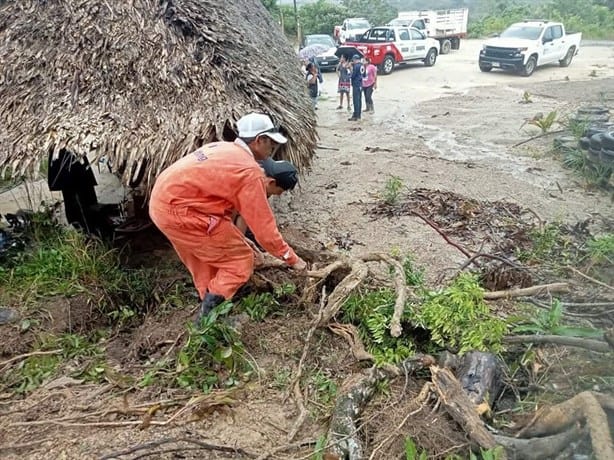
<point x="161" y="442"/>
<point x="296" y="382"/>
<point x="588" y="344"/>
<point x="533" y="290"/>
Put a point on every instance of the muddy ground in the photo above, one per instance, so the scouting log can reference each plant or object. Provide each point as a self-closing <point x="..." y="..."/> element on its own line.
<point x="448" y="128"/>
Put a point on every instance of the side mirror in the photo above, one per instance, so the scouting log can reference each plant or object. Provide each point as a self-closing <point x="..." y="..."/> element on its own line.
<point x="546" y="40"/>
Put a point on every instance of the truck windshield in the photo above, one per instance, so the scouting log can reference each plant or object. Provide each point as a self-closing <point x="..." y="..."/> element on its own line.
<point x="319" y="40"/>
<point x="352" y="25"/>
<point x="375" y="35"/>
<point x="523" y="32"/>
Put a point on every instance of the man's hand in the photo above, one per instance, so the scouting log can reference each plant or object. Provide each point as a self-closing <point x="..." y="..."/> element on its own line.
<point x="300" y="265"/>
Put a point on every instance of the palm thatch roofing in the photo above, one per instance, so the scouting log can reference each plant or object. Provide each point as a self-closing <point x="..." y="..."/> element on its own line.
<point x="142" y="82"/>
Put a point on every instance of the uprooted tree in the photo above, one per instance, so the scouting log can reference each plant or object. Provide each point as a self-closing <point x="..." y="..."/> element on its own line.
<point x="465" y="386"/>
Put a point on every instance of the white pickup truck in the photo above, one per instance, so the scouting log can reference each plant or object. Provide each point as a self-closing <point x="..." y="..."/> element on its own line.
<point x="524" y="46"/>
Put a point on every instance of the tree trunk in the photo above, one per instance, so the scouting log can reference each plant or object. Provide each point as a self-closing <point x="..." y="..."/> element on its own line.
<point x="480" y="375"/>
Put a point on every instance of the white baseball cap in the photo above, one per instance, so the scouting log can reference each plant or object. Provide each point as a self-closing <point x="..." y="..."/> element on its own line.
<point x="258" y="124"/>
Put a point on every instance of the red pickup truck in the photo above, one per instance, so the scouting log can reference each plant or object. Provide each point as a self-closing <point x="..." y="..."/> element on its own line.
<point x="388" y="46"/>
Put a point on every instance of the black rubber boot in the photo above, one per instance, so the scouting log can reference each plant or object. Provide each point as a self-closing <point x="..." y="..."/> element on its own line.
<point x="209" y="303"/>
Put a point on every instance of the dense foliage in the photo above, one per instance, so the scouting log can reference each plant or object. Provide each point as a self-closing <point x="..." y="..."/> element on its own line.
<point x="594" y="18"/>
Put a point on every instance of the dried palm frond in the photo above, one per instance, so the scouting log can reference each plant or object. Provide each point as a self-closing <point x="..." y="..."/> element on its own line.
<point x="142" y="82"/>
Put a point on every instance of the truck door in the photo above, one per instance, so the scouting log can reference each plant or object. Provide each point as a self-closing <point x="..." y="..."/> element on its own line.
<point x="418" y="44"/>
<point x="404" y="43"/>
<point x="558" y="41"/>
<point x="551" y="46"/>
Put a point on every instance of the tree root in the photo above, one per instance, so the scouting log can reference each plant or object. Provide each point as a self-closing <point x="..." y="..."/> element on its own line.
<point x="343" y="441"/>
<point x="538" y="448"/>
<point x="350" y="334"/>
<point x="585" y="406"/>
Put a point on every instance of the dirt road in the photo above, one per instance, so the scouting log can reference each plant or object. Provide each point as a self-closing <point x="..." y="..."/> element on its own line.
<point x="448" y="127"/>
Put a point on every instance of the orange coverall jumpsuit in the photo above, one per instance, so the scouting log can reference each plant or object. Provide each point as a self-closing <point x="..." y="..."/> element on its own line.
<point x="192" y="203"/>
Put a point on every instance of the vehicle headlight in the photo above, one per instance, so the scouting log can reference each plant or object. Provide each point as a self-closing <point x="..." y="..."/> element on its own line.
<point x="520" y="50"/>
<point x="483" y="47"/>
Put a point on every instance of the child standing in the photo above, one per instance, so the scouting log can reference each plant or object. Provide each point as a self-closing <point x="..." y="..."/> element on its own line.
<point x="312" y="84"/>
<point x="344" y="85"/>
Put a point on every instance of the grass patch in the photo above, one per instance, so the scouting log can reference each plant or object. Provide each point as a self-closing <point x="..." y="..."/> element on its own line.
<point x="61" y="261"/>
<point x="85" y="356"/>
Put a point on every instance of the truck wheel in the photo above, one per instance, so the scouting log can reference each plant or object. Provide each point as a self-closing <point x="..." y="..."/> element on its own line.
<point x="430" y="58"/>
<point x="456" y="43"/>
<point x="485" y="67"/>
<point x="529" y="67"/>
<point x="446" y="46"/>
<point x="568" y="57"/>
<point x="388" y="64"/>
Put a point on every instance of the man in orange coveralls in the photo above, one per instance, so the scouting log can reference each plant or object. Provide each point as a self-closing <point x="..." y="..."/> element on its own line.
<point x="193" y="202"/>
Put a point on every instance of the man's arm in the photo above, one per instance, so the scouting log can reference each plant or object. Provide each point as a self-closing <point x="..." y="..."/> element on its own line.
<point x="253" y="206"/>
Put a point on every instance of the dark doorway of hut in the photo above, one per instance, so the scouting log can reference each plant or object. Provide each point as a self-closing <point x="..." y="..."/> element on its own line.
<point x="72" y="175"/>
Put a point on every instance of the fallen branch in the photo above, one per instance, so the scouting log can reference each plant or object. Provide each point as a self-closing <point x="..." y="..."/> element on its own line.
<point x="161" y="442"/>
<point x="27" y="445"/>
<point x="591" y="279"/>
<point x="435" y="227"/>
<point x="401" y="288"/>
<point x="588" y="344"/>
<point x="533" y="290"/>
<point x="296" y="381"/>
<point x="549" y="133"/>
<point x="343" y="440"/>
<point x="461" y="409"/>
<point x="325" y="147"/>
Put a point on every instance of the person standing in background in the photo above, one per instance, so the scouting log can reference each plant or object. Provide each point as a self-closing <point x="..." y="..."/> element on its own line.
<point x="369" y="83"/>
<point x="312" y="84"/>
<point x="344" y="85"/>
<point x="358" y="73"/>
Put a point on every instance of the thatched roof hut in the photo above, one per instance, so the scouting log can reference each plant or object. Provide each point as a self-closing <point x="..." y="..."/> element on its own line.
<point x="143" y="82"/>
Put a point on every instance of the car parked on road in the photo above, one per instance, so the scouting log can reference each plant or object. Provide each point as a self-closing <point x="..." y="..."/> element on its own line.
<point x="326" y="60"/>
<point x="524" y="46"/>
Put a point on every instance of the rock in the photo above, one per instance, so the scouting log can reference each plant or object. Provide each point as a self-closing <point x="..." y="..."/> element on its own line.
<point x="8" y="315"/>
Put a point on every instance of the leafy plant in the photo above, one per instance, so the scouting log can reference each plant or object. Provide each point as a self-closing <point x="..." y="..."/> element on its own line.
<point x="411" y="451"/>
<point x="213" y="353"/>
<point x="496" y="453"/>
<point x="371" y="311"/>
<point x="259" y="306"/>
<point x="526" y="98"/>
<point x="550" y="322"/>
<point x="544" y="123"/>
<point x="85" y="355"/>
<point x="392" y="190"/>
<point x="414" y="276"/>
<point x="318" y="451"/>
<point x="601" y="249"/>
<point x="458" y="317"/>
<point x="323" y="388"/>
